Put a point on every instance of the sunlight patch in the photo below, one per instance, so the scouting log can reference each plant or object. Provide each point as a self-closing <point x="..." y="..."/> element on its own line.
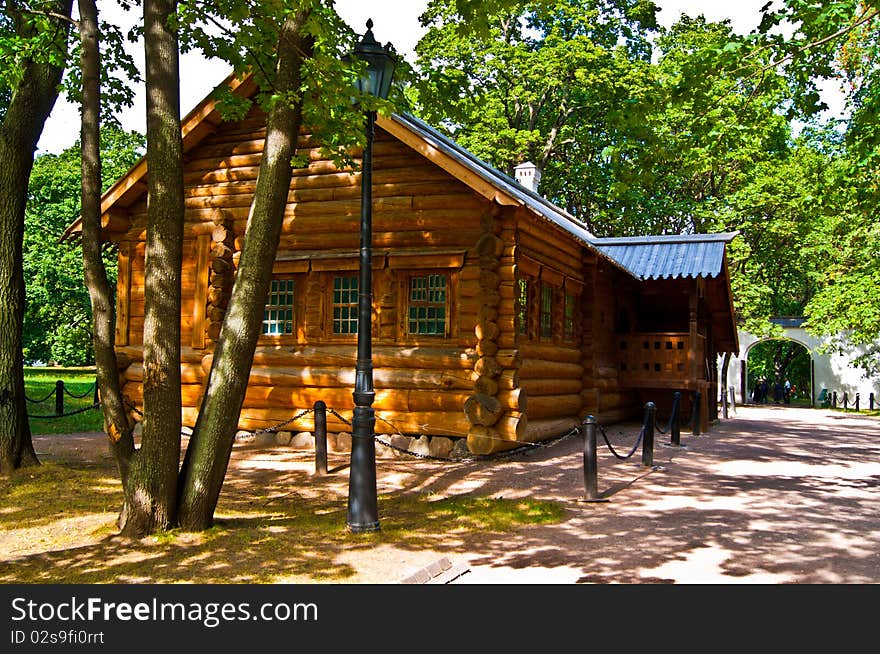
<point x="703" y="565"/>
<point x="796" y="469"/>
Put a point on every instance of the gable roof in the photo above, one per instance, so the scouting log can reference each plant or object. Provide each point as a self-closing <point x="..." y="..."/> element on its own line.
<point x="506" y="190"/>
<point x="642" y="257"/>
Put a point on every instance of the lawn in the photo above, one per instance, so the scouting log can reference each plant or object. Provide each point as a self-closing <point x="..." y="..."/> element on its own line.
<point x="78" y="400"/>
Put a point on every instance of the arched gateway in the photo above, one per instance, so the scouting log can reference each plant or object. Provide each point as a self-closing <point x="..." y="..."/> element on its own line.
<point x="830" y="372"/>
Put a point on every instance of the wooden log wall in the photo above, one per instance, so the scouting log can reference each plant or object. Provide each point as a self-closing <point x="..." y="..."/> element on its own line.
<point x="550" y="370"/>
<point x="496" y="414"/>
<point x="221" y="273"/>
<point x="610" y="297"/>
<point x="422" y="384"/>
<point x="483" y="381"/>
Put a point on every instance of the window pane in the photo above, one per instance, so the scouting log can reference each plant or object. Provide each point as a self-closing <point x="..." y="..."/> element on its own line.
<point x="279" y="311"/>
<point x="427" y="305"/>
<point x="522" y="287"/>
<point x="345" y="305"/>
<point x="546" y="311"/>
<point x="569" y="316"/>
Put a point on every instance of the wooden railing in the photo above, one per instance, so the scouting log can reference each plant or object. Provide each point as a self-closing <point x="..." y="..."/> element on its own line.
<point x="655" y="359"/>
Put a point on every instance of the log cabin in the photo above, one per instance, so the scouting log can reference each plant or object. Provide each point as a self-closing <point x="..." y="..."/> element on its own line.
<point x="498" y="318"/>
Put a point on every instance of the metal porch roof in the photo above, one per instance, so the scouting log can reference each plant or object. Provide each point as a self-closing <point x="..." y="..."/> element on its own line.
<point x="668" y="257"/>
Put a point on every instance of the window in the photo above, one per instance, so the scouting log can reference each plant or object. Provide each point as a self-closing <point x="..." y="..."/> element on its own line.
<point x="522" y="305"/>
<point x="345" y="305"/>
<point x="569" y="324"/>
<point x="279" y="311"/>
<point x="546" y="311"/>
<point x="427" y="305"/>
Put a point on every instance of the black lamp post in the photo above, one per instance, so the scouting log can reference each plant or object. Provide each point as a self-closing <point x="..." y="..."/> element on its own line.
<point x="363" y="510"/>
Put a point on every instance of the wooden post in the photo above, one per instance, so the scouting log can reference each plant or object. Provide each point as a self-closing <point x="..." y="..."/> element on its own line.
<point x="59" y="397"/>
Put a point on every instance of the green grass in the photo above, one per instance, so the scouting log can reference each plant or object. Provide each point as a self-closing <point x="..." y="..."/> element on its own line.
<point x="40" y="382"/>
<point x="63" y="514"/>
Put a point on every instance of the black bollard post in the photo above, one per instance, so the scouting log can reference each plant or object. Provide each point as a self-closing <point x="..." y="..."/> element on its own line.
<point x="97" y="397"/>
<point x="675" y="421"/>
<point x="59" y="397"/>
<point x="871" y="401"/>
<point x="857" y="403"/>
<point x="591" y="462"/>
<point x="320" y="438"/>
<point x="648" y="443"/>
<point x="845" y="401"/>
<point x="697" y="418"/>
<point x="834" y="400"/>
<point x="724" y="404"/>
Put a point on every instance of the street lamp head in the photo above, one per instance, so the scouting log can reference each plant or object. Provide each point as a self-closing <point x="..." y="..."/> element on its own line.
<point x="380" y="61"/>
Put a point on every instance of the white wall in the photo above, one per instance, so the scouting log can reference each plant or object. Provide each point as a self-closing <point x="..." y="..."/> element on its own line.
<point x="831" y="371"/>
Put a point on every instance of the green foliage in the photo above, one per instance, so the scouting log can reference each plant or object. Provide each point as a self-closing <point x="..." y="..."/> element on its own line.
<point x="778" y="360"/>
<point x="518" y="85"/>
<point x="57" y="323"/>
<point x="840" y="40"/>
<point x="244" y="34"/>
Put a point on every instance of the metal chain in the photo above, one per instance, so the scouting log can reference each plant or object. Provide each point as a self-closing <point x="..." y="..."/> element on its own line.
<point x="611" y="447"/>
<point x="275" y="428"/>
<point x="51" y="393"/>
<point x="79" y="397"/>
<point x="72" y="413"/>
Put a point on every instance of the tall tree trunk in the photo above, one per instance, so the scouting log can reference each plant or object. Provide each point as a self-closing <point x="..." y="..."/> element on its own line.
<point x="722" y="379"/>
<point x="100" y="293"/>
<point x="151" y="491"/>
<point x="30" y="105"/>
<point x="207" y="456"/>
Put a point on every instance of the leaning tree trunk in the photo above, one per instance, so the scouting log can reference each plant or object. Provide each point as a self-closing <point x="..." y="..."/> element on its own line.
<point x="207" y="456"/>
<point x="31" y="103"/>
<point x="100" y="292"/>
<point x="151" y="491"/>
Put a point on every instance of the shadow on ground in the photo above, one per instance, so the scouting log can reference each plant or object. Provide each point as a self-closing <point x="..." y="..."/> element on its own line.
<point x="771" y="495"/>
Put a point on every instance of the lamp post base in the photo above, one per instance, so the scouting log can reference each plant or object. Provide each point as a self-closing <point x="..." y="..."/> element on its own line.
<point x="363" y="510"/>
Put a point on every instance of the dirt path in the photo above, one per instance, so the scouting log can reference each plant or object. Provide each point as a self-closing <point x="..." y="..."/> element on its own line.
<point x="772" y="495"/>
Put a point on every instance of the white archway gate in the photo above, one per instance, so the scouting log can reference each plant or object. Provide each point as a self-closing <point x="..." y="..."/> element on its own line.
<point x="832" y="372"/>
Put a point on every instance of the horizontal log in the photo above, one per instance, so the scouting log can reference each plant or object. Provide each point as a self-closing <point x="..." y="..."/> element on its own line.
<point x="433" y="423"/>
<point x="392" y="239"/>
<point x="589" y="402"/>
<point x="554" y="406"/>
<point x="385" y="378"/>
<point x="541" y="430"/>
<point x="550" y="352"/>
<point x="190" y="373"/>
<point x="509" y="358"/>
<point x="538" y="369"/>
<point x="536" y="233"/>
<point x="516" y="399"/>
<point x="613" y="416"/>
<point x="537" y="387"/>
<point x="409" y="357"/>
<point x="613" y="400"/>
<point x="485" y="440"/>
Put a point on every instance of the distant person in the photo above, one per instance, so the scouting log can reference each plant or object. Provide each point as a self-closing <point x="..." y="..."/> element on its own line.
<point x="765" y="391"/>
<point x="786" y="391"/>
<point x="778" y="392"/>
